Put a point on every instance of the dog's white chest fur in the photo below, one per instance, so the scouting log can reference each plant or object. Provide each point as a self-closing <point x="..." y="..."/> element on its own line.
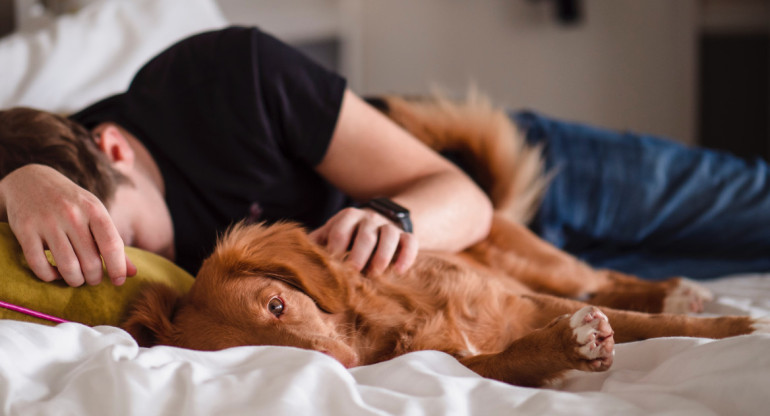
<point x="472" y="350"/>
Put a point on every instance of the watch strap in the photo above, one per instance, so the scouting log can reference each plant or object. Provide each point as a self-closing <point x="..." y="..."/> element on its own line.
<point x="391" y="210"/>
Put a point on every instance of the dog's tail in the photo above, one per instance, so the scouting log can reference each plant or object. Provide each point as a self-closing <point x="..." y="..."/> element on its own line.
<point x="483" y="141"/>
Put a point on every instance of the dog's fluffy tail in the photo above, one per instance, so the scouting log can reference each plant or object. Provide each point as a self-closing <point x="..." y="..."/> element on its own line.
<point x="483" y="141"/>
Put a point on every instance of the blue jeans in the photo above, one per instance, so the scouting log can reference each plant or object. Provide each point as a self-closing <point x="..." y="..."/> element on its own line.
<point x="649" y="206"/>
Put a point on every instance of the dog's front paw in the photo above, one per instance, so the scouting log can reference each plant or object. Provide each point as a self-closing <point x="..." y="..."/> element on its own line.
<point x="687" y="296"/>
<point x="594" y="337"/>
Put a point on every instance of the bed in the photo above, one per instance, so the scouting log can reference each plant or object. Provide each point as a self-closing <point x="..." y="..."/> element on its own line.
<point x="75" y="369"/>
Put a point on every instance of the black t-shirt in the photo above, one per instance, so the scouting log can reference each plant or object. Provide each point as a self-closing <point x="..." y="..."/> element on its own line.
<point x="236" y="121"/>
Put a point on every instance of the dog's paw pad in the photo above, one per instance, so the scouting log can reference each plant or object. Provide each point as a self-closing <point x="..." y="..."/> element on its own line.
<point x="594" y="337"/>
<point x="761" y="326"/>
<point x="687" y="297"/>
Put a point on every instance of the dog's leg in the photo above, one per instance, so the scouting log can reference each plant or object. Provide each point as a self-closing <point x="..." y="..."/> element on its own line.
<point x="634" y="326"/>
<point x="675" y="295"/>
<point x="585" y="340"/>
<point x="515" y="250"/>
<point x="582" y="341"/>
<point x="521" y="254"/>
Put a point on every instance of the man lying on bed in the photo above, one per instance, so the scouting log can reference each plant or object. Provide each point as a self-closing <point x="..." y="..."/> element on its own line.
<point x="234" y="124"/>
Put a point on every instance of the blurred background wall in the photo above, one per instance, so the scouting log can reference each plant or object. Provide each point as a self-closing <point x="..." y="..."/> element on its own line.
<point x="692" y="70"/>
<point x="622" y="64"/>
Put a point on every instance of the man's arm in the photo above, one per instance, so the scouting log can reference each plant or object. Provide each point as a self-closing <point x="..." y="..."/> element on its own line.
<point x="371" y="156"/>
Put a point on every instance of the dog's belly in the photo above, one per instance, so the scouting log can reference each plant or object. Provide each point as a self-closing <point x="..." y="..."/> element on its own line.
<point x="462" y="308"/>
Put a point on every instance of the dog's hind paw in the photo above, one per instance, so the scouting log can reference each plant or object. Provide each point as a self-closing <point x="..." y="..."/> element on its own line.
<point x="686" y="297"/>
<point x="594" y="337"/>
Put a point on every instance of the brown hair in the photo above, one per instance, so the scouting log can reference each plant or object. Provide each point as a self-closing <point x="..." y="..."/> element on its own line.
<point x="31" y="136"/>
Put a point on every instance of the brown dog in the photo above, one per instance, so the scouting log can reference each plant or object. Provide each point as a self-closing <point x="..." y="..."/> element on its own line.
<point x="501" y="307"/>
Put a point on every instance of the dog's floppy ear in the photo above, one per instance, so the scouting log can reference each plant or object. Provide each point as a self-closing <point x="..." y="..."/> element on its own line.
<point x="149" y="318"/>
<point x="283" y="252"/>
<point x="313" y="279"/>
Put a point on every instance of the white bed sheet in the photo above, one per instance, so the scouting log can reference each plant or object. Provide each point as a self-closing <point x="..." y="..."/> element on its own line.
<point x="73" y="369"/>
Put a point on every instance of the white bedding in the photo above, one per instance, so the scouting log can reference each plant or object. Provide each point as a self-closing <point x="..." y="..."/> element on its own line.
<point x="73" y="369"/>
<point x="89" y="55"/>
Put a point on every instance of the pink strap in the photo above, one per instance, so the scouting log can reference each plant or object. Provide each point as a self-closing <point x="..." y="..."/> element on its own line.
<point x="30" y="312"/>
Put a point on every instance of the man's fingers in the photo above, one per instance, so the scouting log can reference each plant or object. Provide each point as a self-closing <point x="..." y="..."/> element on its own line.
<point x="407" y="254"/>
<point x="66" y="261"/>
<point x="319" y="235"/>
<point x="387" y="244"/>
<point x="371" y="239"/>
<point x="34" y="252"/>
<point x="131" y="270"/>
<point x="363" y="245"/>
<point x="112" y="250"/>
<point x="90" y="262"/>
<point x="341" y="230"/>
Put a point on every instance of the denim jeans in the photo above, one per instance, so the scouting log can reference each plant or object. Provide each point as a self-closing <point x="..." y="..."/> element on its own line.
<point x="649" y="206"/>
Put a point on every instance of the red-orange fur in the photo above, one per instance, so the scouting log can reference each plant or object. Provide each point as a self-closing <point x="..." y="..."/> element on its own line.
<point x="509" y="171"/>
<point x="498" y="307"/>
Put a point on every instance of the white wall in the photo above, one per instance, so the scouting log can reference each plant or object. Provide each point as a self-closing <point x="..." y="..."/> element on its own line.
<point x="291" y="20"/>
<point x="630" y="65"/>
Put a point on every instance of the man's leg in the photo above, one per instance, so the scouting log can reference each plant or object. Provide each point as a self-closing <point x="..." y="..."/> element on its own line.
<point x="648" y="206"/>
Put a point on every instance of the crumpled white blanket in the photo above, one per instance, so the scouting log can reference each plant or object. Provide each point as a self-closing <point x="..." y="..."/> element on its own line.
<point x="73" y="369"/>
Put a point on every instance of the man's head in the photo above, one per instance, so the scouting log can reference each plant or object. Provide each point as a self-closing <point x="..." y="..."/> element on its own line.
<point x="106" y="161"/>
<point x="30" y="136"/>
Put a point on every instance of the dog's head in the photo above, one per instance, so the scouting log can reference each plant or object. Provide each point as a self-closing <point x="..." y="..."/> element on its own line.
<point x="263" y="285"/>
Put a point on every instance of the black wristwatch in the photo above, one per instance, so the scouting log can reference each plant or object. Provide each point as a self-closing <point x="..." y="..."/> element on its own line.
<point x="392" y="211"/>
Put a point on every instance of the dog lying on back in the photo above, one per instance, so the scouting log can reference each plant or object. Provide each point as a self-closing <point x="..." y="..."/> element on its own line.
<point x="504" y="307"/>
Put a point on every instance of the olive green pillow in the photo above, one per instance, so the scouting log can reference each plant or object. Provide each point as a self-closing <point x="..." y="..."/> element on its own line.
<point x="103" y="304"/>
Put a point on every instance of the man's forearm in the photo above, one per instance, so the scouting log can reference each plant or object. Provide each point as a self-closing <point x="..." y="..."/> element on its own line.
<point x="449" y="213"/>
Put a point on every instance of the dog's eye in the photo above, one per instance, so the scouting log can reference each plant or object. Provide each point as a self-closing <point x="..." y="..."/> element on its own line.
<point x="275" y="306"/>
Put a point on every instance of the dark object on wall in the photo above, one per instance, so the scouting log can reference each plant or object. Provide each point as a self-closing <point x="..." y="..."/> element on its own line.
<point x="569" y="11"/>
<point x="7" y="17"/>
<point x="735" y="93"/>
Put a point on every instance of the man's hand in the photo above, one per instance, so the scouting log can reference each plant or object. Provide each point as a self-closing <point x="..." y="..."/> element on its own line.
<point x="371" y="238"/>
<point x="48" y="211"/>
